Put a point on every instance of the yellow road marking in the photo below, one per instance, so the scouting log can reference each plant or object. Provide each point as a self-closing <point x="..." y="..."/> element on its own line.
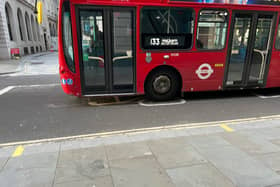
<point x="18" y="152"/>
<point x="227" y="128"/>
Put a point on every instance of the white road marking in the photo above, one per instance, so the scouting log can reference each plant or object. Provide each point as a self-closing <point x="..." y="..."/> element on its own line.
<point x="179" y="102"/>
<point x="7" y="89"/>
<point x="268" y="97"/>
<point x="37" y="85"/>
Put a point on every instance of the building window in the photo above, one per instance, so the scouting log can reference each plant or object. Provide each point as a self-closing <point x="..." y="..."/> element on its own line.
<point x="50" y="25"/>
<point x="167" y="28"/>
<point x="212" y="29"/>
<point x="38" y="29"/>
<point x="33" y="28"/>
<point x="28" y="27"/>
<point x="9" y="14"/>
<point x="20" y="25"/>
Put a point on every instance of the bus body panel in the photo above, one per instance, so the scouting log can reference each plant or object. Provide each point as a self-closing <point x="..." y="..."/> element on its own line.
<point x="189" y="63"/>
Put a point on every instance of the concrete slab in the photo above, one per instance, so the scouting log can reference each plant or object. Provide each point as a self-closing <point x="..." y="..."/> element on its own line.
<point x="100" y="181"/>
<point x="251" y="142"/>
<point x="210" y="141"/>
<point x="42" y="160"/>
<point x="139" y="172"/>
<point x="271" y="160"/>
<point x="5" y="153"/>
<point x="242" y="169"/>
<point x="204" y="130"/>
<point x="31" y="177"/>
<point x="204" y="175"/>
<point x="175" y="152"/>
<point x="115" y="139"/>
<point x="3" y="161"/>
<point x="127" y="150"/>
<point x="270" y="133"/>
<point x="151" y="135"/>
<point x="276" y="142"/>
<point x="81" y="164"/>
<point x="81" y="143"/>
<point x="41" y="148"/>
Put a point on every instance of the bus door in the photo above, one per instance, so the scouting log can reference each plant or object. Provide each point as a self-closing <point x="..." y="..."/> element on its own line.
<point x="106" y="49"/>
<point x="250" y="49"/>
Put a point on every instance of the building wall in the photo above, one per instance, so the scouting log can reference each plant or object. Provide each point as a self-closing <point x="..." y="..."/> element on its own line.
<point x="35" y="37"/>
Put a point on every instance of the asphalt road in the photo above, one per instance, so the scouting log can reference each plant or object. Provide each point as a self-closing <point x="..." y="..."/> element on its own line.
<point x="31" y="113"/>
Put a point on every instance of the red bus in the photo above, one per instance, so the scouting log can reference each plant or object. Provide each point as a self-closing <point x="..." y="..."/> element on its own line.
<point x="162" y="48"/>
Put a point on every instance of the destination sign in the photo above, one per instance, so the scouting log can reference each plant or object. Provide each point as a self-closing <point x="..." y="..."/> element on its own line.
<point x="166" y="41"/>
<point x="239" y="2"/>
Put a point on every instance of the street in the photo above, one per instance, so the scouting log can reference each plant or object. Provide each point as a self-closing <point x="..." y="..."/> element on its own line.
<point x="37" y="108"/>
<point x="48" y="138"/>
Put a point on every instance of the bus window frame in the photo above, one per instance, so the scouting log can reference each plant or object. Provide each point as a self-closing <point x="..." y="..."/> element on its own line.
<point x="277" y="28"/>
<point x="164" y="50"/>
<point x="227" y="33"/>
<point x="73" y="70"/>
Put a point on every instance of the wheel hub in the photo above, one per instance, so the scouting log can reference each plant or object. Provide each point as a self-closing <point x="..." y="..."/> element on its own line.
<point x="162" y="84"/>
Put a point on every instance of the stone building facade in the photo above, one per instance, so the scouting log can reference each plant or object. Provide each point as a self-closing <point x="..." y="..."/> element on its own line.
<point x="19" y="27"/>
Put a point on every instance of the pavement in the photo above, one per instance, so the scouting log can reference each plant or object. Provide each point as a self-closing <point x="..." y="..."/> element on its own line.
<point x="9" y="66"/>
<point x="242" y="154"/>
<point x="46" y="63"/>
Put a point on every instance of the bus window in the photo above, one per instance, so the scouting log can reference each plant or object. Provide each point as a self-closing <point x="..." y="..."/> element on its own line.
<point x="277" y="43"/>
<point x="212" y="29"/>
<point x="67" y="37"/>
<point x="167" y="28"/>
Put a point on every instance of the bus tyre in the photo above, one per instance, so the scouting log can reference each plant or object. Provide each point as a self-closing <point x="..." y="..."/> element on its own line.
<point x="162" y="85"/>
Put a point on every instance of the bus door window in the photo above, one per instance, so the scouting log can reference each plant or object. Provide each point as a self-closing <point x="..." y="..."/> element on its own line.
<point x="93" y="47"/>
<point x="212" y="29"/>
<point x="261" y="48"/>
<point x="242" y="25"/>
<point x="122" y="55"/>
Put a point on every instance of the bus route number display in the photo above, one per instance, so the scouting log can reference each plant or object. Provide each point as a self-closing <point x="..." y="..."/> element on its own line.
<point x="166" y="41"/>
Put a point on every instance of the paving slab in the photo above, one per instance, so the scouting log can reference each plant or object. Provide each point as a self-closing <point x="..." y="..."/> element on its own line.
<point x="5" y="154"/>
<point x="81" y="164"/>
<point x="152" y="135"/>
<point x="115" y="139"/>
<point x="210" y="141"/>
<point x="271" y="160"/>
<point x="127" y="150"/>
<point x="204" y="175"/>
<point x="269" y="133"/>
<point x="30" y="170"/>
<point x="31" y="177"/>
<point x="41" y="160"/>
<point x="139" y="172"/>
<point x="100" y="181"/>
<point x="276" y="142"/>
<point x="242" y="169"/>
<point x="175" y="152"/>
<point x="81" y="143"/>
<point x="52" y="147"/>
<point x="251" y="142"/>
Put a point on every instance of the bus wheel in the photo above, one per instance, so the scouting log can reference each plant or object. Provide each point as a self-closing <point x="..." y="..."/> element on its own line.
<point x="163" y="84"/>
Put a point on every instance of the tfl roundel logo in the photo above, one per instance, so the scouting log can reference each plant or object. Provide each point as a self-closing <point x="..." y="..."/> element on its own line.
<point x="204" y="71"/>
